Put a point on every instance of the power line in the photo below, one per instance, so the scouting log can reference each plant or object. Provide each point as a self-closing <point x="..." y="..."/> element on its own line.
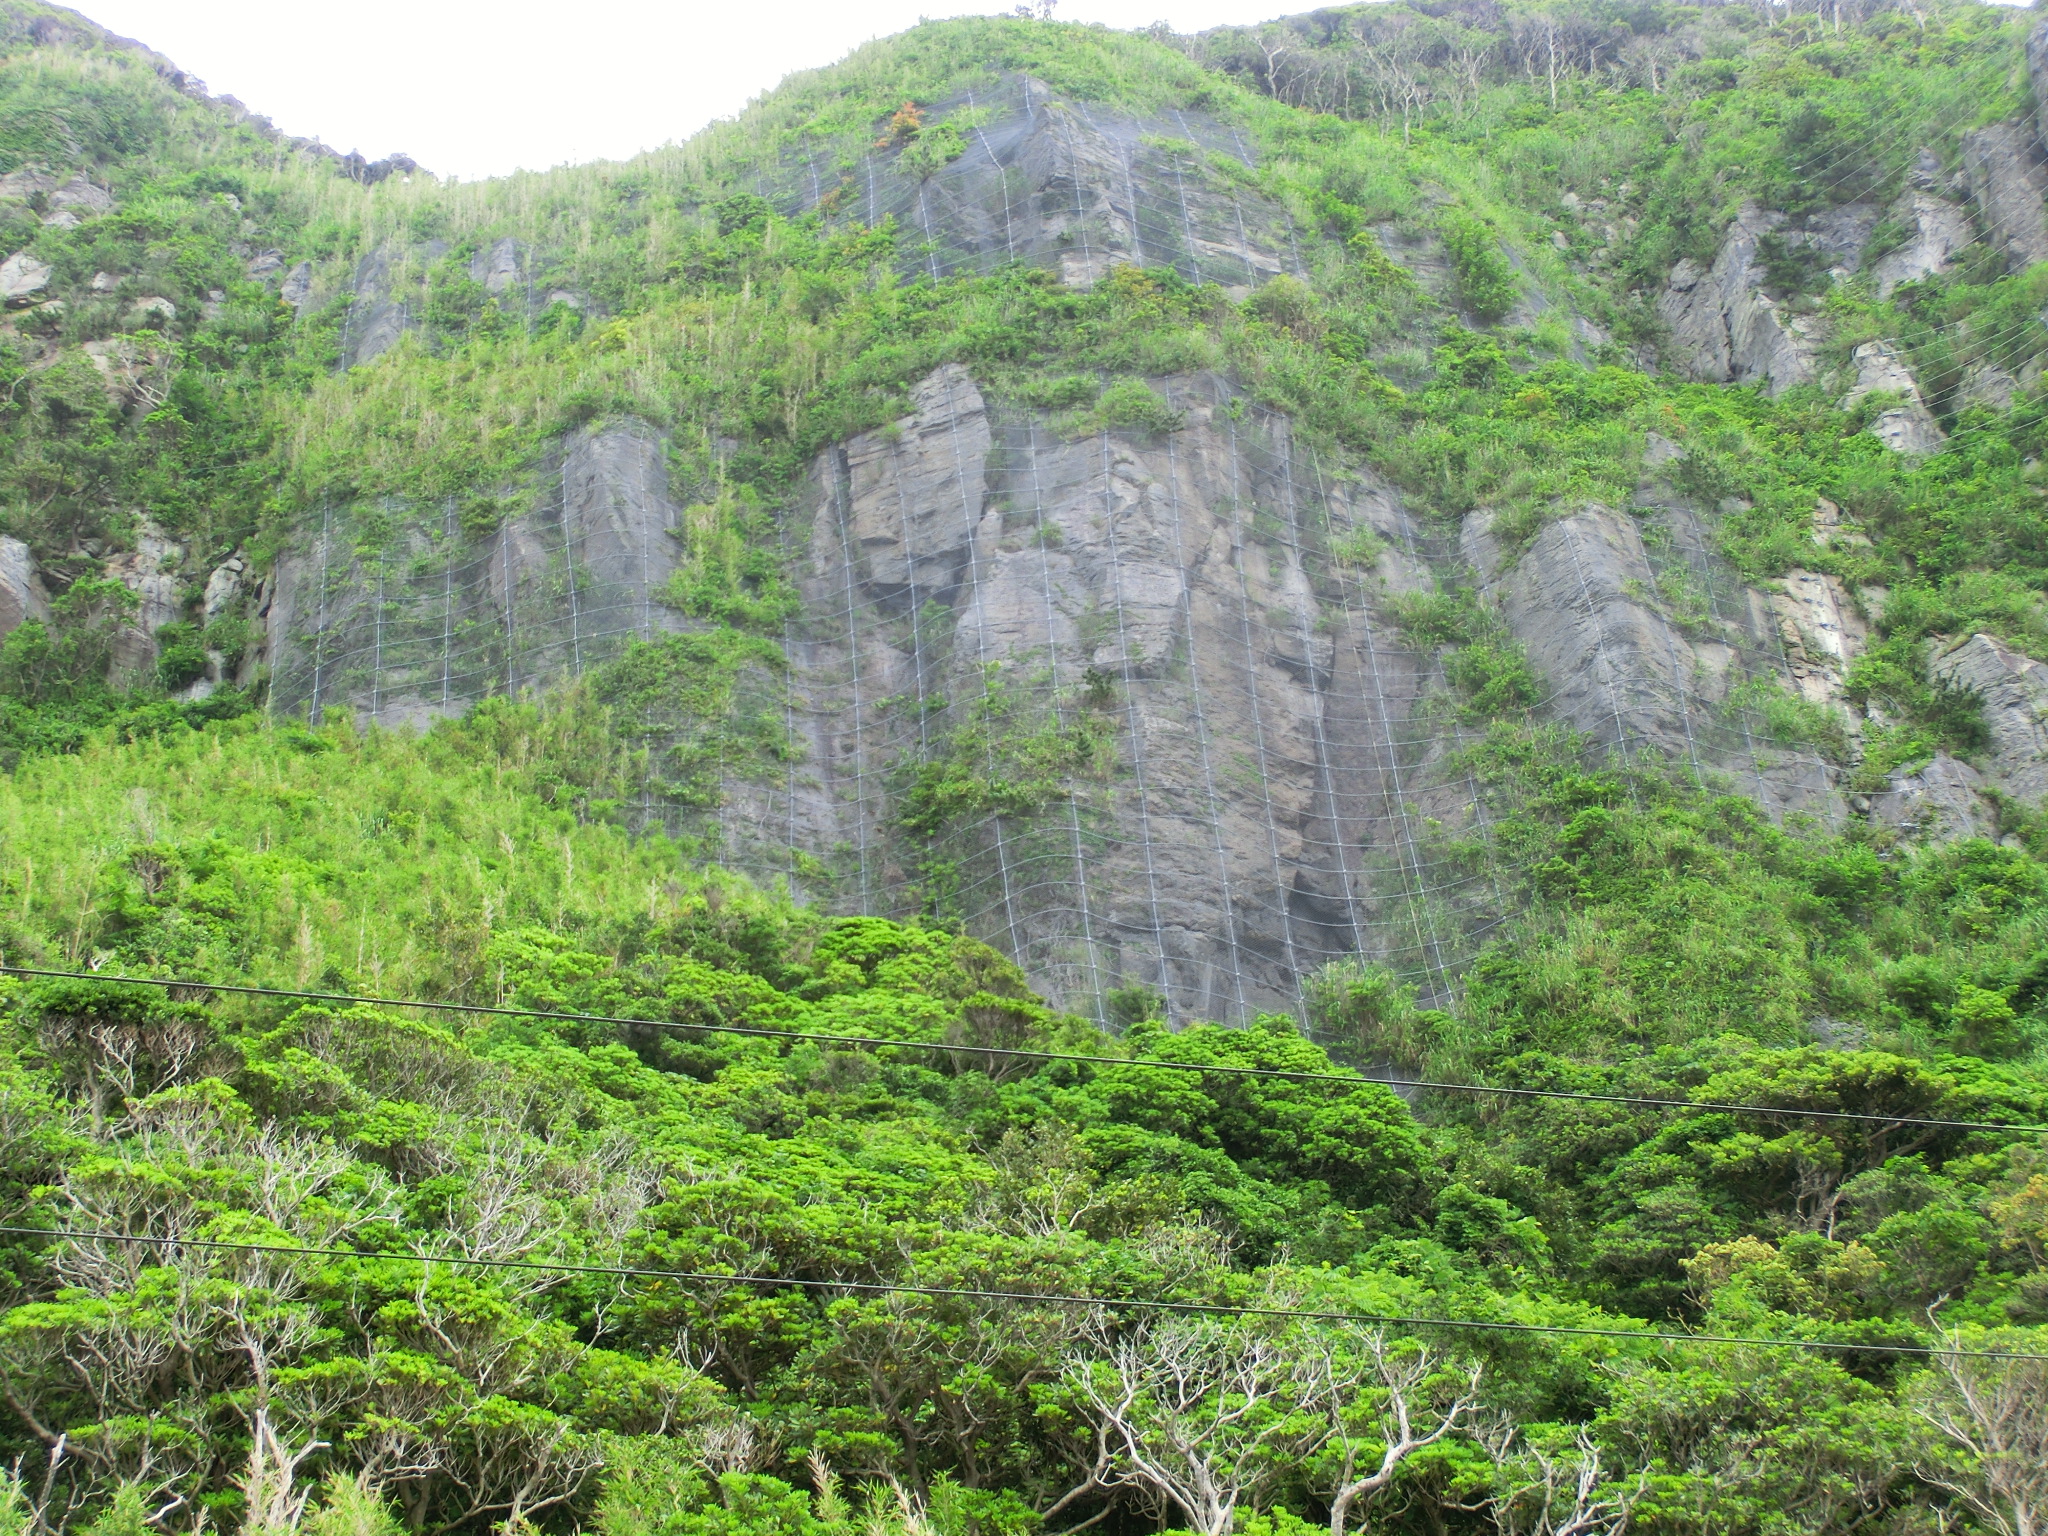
<point x="1348" y="1079"/>
<point x="1043" y="1298"/>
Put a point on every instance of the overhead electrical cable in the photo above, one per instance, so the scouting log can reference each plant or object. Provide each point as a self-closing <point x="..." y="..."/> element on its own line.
<point x="1042" y="1298"/>
<point x="748" y="1031"/>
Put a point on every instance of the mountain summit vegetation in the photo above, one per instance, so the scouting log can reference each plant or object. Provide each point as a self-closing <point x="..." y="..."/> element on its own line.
<point x="1646" y="398"/>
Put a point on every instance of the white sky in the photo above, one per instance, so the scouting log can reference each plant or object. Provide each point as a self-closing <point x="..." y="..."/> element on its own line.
<point x="476" y="88"/>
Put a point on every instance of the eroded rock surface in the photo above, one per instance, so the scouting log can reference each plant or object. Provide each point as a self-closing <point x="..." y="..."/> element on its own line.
<point x="22" y="277"/>
<point x="441" y="617"/>
<point x="1268" y="782"/>
<point x="151" y="570"/>
<point x="21" y="587"/>
<point x="1724" y="327"/>
<point x="1823" y="630"/>
<point x="1906" y="425"/>
<point x="2008" y="181"/>
<point x="497" y="267"/>
<point x="1938" y="229"/>
<point x="2014" y="690"/>
<point x="1073" y="187"/>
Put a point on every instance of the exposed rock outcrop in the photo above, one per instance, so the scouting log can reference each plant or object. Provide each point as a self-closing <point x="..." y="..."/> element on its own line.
<point x="2037" y="74"/>
<point x="438" y="619"/>
<point x="1259" y="817"/>
<point x="1724" y="327"/>
<point x="497" y="268"/>
<point x="26" y="184"/>
<point x="1941" y="799"/>
<point x="1937" y="229"/>
<point x="21" y="587"/>
<point x="379" y="312"/>
<point x="2014" y="690"/>
<point x="22" y="277"/>
<point x="1070" y="186"/>
<point x="134" y="371"/>
<point x="82" y="198"/>
<point x="2008" y="179"/>
<point x="1822" y="632"/>
<point x="1906" y="426"/>
<point x="151" y="571"/>
<point x="224" y="589"/>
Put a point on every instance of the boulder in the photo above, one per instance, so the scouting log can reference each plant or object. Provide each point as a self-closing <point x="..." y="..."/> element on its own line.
<point x="1908" y="426"/>
<point x="298" y="285"/>
<point x="22" y="277"/>
<point x="2008" y="181"/>
<point x="150" y="308"/>
<point x="264" y="263"/>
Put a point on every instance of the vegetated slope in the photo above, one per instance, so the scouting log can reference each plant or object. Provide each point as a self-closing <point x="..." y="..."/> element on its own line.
<point x="1066" y="434"/>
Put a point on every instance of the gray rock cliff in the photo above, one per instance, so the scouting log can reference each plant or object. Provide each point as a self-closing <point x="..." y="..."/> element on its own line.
<point x="2008" y="179"/>
<point x="1724" y="327"/>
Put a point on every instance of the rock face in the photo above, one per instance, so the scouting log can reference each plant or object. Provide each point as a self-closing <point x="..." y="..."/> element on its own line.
<point x="2009" y="184"/>
<point x="1907" y="426"/>
<point x="1069" y="186"/>
<point x="81" y="198"/>
<point x="151" y="571"/>
<point x="1724" y="327"/>
<point x="1822" y="631"/>
<point x="2014" y="688"/>
<point x="1938" y="229"/>
<point x="1263" y="807"/>
<point x="2037" y="74"/>
<point x="22" y="277"/>
<point x="21" y="589"/>
<point x="440" y="618"/>
<point x="1267" y="772"/>
<point x="1596" y="616"/>
<point x="379" y="313"/>
<point x="135" y="372"/>
<point x="498" y="267"/>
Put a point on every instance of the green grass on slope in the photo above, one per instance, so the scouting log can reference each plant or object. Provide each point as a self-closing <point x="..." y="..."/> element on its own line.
<point x="328" y="857"/>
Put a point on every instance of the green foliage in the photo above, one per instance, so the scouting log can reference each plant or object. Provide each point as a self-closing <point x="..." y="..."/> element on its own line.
<point x="1486" y="283"/>
<point x="1665" y="943"/>
<point x="1128" y="405"/>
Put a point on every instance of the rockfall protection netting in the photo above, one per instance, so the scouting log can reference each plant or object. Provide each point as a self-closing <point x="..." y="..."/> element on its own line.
<point x="402" y="615"/>
<point x="1061" y="184"/>
<point x="1277" y="781"/>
